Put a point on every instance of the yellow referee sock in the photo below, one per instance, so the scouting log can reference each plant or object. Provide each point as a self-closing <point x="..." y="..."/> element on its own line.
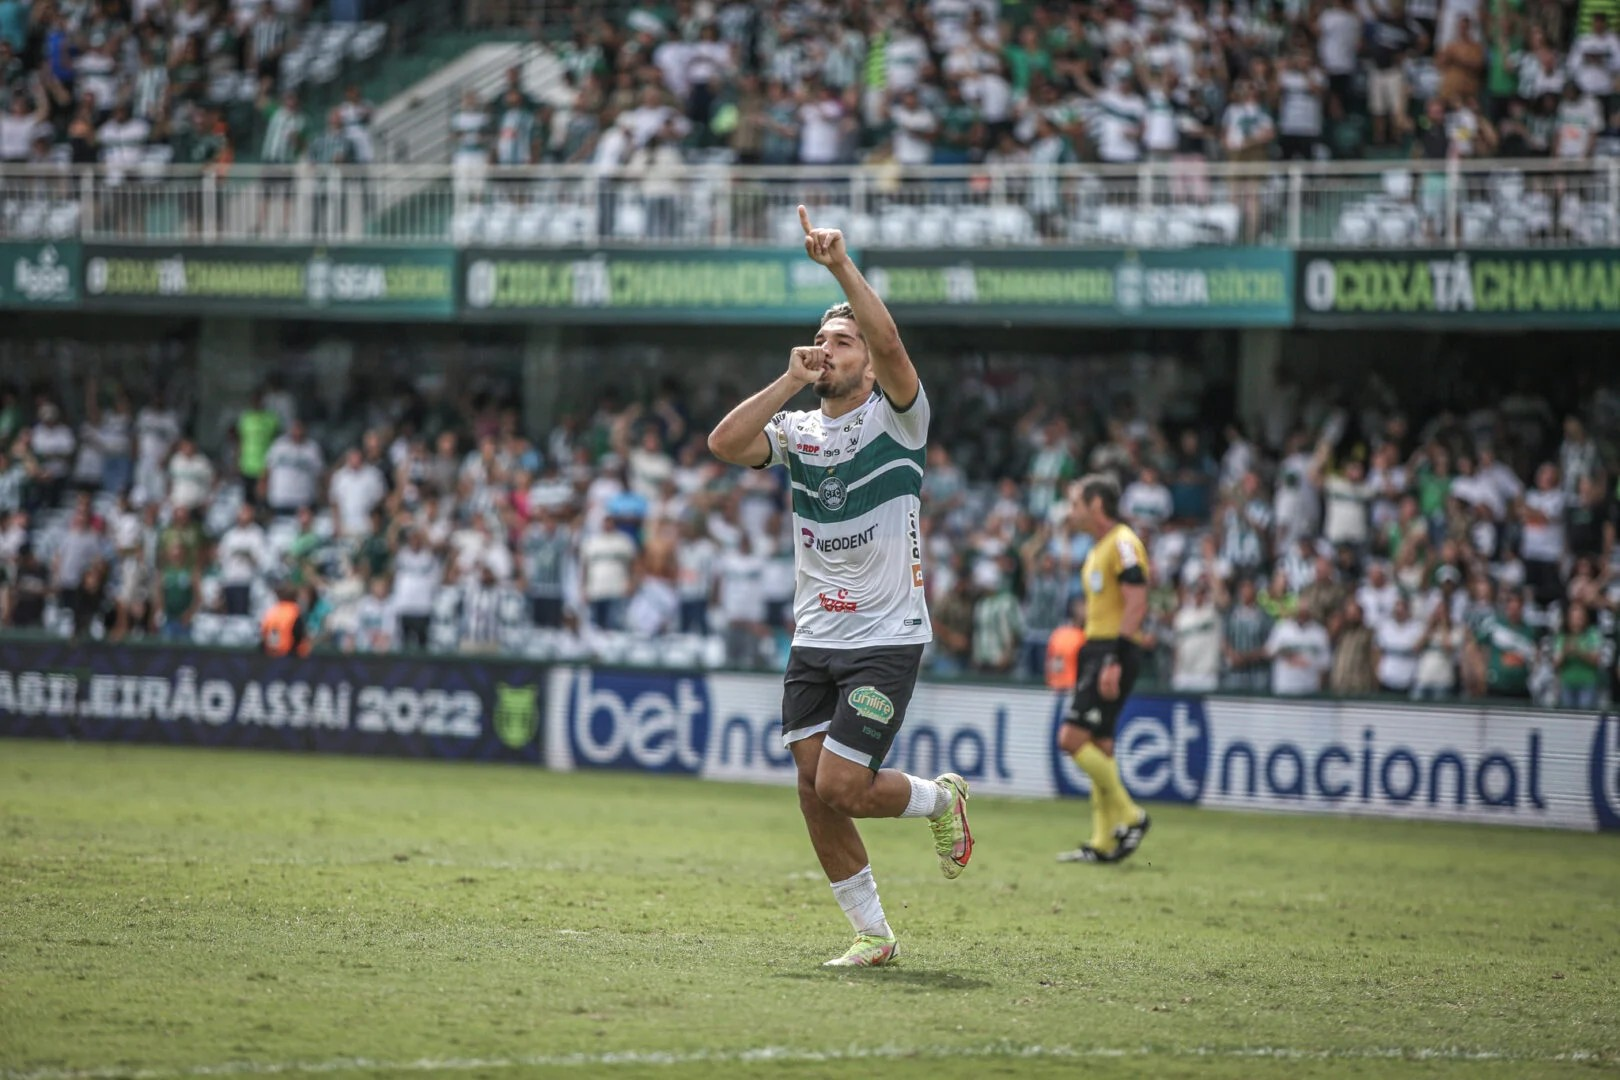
<point x="1118" y="806"/>
<point x="1096" y="764"/>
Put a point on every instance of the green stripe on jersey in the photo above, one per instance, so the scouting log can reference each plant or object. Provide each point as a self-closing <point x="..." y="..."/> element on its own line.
<point x="882" y="450"/>
<point x="898" y="482"/>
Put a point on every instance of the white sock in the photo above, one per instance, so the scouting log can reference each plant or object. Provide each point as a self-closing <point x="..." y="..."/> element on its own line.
<point x="928" y="799"/>
<point x="858" y="896"/>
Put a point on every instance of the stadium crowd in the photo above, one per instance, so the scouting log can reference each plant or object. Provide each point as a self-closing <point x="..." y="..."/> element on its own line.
<point x="129" y="83"/>
<point x="1334" y="551"/>
<point x="960" y="81"/>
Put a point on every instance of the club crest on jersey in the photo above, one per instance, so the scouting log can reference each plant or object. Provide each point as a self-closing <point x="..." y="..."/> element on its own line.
<point x="872" y="704"/>
<point x="1096" y="581"/>
<point x="832" y="494"/>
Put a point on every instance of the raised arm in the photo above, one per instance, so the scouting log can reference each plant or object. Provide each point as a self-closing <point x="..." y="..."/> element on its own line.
<point x="739" y="438"/>
<point x="889" y="360"/>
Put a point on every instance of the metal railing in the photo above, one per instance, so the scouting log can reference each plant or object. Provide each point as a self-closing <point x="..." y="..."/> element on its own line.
<point x="1400" y="205"/>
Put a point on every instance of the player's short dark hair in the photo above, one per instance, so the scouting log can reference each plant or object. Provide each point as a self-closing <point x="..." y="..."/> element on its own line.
<point x="840" y="311"/>
<point x="1104" y="487"/>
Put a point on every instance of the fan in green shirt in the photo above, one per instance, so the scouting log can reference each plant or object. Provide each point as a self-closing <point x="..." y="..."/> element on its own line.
<point x="1026" y="58"/>
<point x="255" y="431"/>
<point x="1510" y="649"/>
<point x="1578" y="653"/>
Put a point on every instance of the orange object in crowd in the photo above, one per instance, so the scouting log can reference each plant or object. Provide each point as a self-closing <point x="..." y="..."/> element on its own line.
<point x="1063" y="657"/>
<point x="282" y="632"/>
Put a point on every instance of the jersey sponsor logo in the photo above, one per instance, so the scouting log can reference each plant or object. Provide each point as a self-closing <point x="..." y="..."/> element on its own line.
<point x="870" y="703"/>
<point x="838" y="603"/>
<point x="807" y="448"/>
<point x="916" y="549"/>
<point x="832" y="494"/>
<point x="838" y="543"/>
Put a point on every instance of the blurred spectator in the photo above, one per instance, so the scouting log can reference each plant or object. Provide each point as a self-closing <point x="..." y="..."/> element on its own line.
<point x="417" y="574"/>
<point x="741" y="573"/>
<point x="242" y="557"/>
<point x="1245" y="632"/>
<point x="283" y="632"/>
<point x="607" y="561"/>
<point x="1063" y="647"/>
<point x="1578" y="660"/>
<point x="178" y="591"/>
<point x="953" y="625"/>
<point x="191" y="475"/>
<point x="1300" y="654"/>
<point x="998" y="623"/>
<point x="355" y="489"/>
<point x="1439" y="652"/>
<point x="1355" y="653"/>
<point x="1197" y="635"/>
<point x="52" y="443"/>
<point x="1399" y="639"/>
<point x="292" y="472"/>
<point x="1507" y="650"/>
<point x="256" y="428"/>
<point x="375" y="622"/>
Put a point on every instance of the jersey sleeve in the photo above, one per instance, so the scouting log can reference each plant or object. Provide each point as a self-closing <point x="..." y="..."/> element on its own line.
<point x="909" y="425"/>
<point x="776" y="429"/>
<point x="1130" y="559"/>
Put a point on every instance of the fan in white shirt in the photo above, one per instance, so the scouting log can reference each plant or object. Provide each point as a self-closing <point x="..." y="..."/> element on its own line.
<point x="1377" y="595"/>
<point x="1301" y="655"/>
<point x="1397" y="638"/>
<point x="356" y="488"/>
<point x="292" y="470"/>
<point x="243" y="554"/>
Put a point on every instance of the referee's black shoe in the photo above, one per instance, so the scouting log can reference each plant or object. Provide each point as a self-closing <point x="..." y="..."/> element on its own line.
<point x="1087" y="853"/>
<point x="1130" y="837"/>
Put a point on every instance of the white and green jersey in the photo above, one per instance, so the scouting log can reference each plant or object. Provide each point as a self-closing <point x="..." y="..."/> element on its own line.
<point x="857" y="482"/>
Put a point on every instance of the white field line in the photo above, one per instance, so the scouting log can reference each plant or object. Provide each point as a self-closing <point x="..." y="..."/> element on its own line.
<point x="779" y="1054"/>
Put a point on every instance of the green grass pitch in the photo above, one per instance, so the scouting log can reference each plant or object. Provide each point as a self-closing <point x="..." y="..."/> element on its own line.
<point x="188" y="913"/>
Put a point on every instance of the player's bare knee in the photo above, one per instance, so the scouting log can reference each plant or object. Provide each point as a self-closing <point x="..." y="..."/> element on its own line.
<point x="843" y="793"/>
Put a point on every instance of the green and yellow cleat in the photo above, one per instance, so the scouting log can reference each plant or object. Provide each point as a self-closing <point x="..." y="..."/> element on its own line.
<point x="953" y="840"/>
<point x="869" y="950"/>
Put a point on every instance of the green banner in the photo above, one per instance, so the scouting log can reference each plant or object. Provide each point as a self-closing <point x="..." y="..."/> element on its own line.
<point x="289" y="281"/>
<point x="1471" y="289"/>
<point x="673" y="285"/>
<point x="1193" y="287"/>
<point x="41" y="275"/>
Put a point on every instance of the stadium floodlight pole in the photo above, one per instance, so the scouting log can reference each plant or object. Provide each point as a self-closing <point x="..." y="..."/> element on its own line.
<point x="860" y="607"/>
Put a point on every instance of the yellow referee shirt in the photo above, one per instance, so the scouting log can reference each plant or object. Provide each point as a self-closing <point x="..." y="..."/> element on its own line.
<point x="1117" y="559"/>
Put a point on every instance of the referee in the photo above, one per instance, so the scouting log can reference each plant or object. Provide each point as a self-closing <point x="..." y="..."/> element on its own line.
<point x="1115" y="579"/>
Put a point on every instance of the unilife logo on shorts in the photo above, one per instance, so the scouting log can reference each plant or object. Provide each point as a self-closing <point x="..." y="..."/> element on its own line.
<point x="872" y="704"/>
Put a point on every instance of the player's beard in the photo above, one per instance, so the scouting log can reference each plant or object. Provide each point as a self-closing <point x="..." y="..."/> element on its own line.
<point x="829" y="385"/>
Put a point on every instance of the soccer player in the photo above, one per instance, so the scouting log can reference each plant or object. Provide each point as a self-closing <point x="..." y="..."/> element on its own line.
<point x="856" y="467"/>
<point x="1115" y="579"/>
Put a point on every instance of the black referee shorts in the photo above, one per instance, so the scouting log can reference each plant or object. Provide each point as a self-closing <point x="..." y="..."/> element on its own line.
<point x="1089" y="709"/>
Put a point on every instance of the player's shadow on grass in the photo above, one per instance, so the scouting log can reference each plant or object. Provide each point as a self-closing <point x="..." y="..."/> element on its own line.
<point x="902" y="978"/>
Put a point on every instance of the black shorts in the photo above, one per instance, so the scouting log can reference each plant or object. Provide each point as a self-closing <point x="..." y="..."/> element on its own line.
<point x="1089" y="709"/>
<point x="857" y="696"/>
